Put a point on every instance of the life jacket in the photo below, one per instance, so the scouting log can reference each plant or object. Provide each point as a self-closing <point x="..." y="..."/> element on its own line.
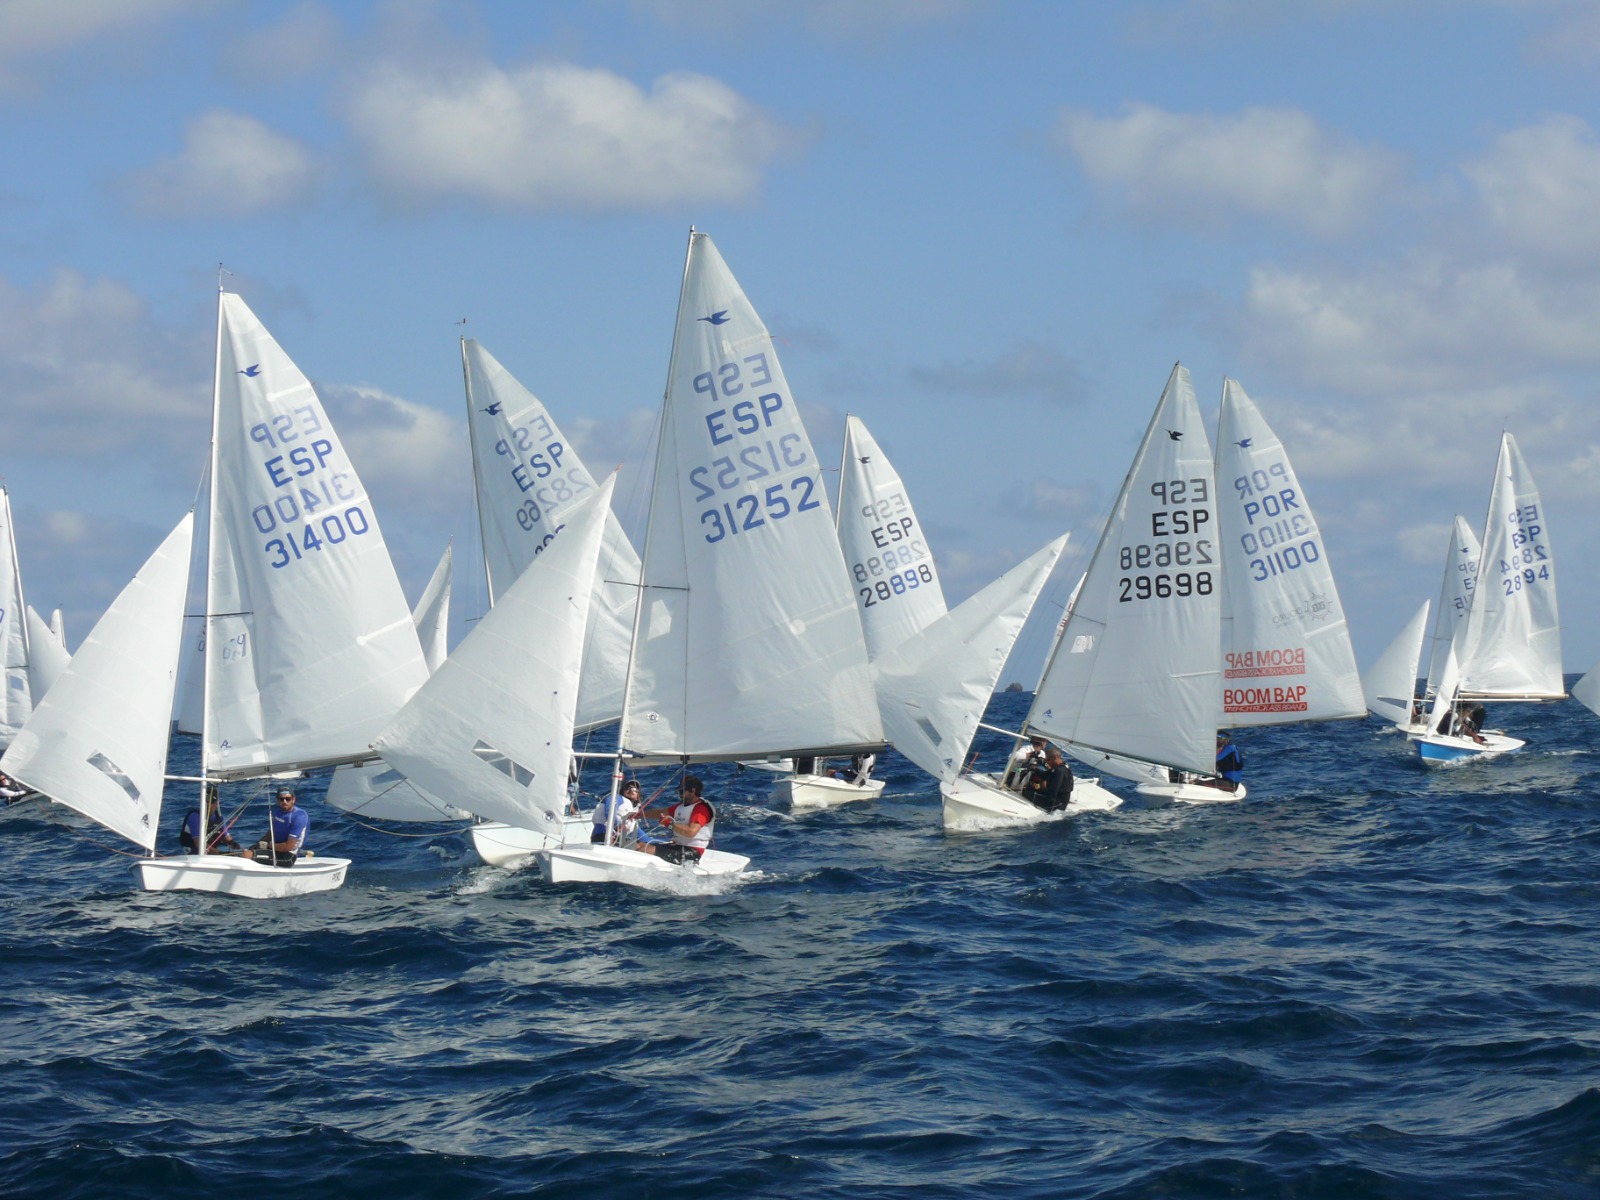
<point x="684" y="814"/>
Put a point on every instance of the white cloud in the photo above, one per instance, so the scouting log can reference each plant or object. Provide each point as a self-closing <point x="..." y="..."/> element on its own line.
<point x="1539" y="185"/>
<point x="1198" y="169"/>
<point x="43" y="26"/>
<point x="558" y="136"/>
<point x="413" y="454"/>
<point x="304" y="40"/>
<point x="231" y="165"/>
<point x="85" y="372"/>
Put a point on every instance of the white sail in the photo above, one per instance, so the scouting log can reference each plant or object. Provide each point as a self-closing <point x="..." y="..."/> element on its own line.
<point x="895" y="579"/>
<point x="376" y="790"/>
<point x="493" y="726"/>
<point x="47" y="656"/>
<point x="527" y="478"/>
<point x="16" y="697"/>
<point x="1137" y="671"/>
<point x="1390" y="685"/>
<point x="1587" y="690"/>
<point x="1511" y="645"/>
<point x="1286" y="653"/>
<point x="431" y="616"/>
<point x="933" y="687"/>
<point x="310" y="647"/>
<point x="749" y="642"/>
<point x="1460" y="577"/>
<point x="97" y="743"/>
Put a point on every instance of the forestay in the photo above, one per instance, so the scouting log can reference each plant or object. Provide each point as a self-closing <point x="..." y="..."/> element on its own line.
<point x="1136" y="671"/>
<point x="97" y="742"/>
<point x="527" y="477"/>
<point x="1286" y="653"/>
<point x="493" y="726"/>
<point x="895" y="579"/>
<point x="934" y="686"/>
<point x="749" y="641"/>
<point x="1511" y="644"/>
<point x="310" y="644"/>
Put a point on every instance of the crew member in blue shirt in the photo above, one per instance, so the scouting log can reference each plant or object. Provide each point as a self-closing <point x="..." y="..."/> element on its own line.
<point x="1230" y="764"/>
<point x="289" y="828"/>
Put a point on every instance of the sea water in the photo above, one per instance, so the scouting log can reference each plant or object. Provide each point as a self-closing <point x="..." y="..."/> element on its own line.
<point x="1368" y="979"/>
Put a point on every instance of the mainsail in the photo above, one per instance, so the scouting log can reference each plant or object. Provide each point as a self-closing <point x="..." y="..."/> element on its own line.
<point x="16" y="698"/>
<point x="310" y="647"/>
<point x="1136" y="671"/>
<point x="1286" y="653"/>
<point x="748" y="641"/>
<point x="892" y="568"/>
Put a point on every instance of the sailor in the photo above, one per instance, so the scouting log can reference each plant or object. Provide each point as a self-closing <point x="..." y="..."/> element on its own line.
<point x="216" y="829"/>
<point x="1230" y="764"/>
<point x="859" y="772"/>
<point x="290" y="825"/>
<point x="615" y="815"/>
<point x="1026" y="758"/>
<point x="1050" y="786"/>
<point x="691" y="823"/>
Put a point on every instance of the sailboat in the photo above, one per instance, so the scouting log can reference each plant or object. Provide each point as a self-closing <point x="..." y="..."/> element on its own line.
<point x="1286" y="652"/>
<point x="1136" y="672"/>
<point x="933" y="688"/>
<point x="308" y="646"/>
<point x="746" y="642"/>
<point x="894" y="576"/>
<point x="492" y="727"/>
<point x="47" y="654"/>
<point x="16" y="694"/>
<point x="526" y="478"/>
<point x="97" y="743"/>
<point x="1509" y="646"/>
<point x="1587" y="690"/>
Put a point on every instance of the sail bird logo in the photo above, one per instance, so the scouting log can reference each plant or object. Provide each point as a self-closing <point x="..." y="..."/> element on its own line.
<point x="493" y="410"/>
<point x="1175" y="434"/>
<point x="251" y="371"/>
<point x="720" y="317"/>
<point x="1244" y="443"/>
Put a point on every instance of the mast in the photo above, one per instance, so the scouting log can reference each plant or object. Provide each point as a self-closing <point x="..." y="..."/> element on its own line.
<point x="211" y="551"/>
<point x="644" y="555"/>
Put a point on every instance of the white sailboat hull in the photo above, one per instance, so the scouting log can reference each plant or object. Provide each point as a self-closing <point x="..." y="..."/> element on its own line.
<point x="979" y="802"/>
<point x="230" y="876"/>
<point x="502" y="845"/>
<point x="823" y="791"/>
<point x="1192" y="792"/>
<point x="617" y="864"/>
<point x="1438" y="750"/>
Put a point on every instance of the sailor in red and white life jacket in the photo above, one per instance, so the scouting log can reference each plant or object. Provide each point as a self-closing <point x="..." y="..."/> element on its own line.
<point x="692" y="822"/>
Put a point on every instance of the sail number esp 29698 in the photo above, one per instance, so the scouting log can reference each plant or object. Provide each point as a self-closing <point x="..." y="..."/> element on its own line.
<point x="737" y="482"/>
<point x="1176" y="561"/>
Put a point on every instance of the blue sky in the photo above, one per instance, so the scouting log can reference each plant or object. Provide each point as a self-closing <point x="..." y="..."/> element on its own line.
<point x="988" y="229"/>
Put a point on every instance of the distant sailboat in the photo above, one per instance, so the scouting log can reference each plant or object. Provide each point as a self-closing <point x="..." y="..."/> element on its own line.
<point x="1390" y="685"/>
<point x="747" y="642"/>
<point x="1509" y="646"/>
<point x="894" y="576"/>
